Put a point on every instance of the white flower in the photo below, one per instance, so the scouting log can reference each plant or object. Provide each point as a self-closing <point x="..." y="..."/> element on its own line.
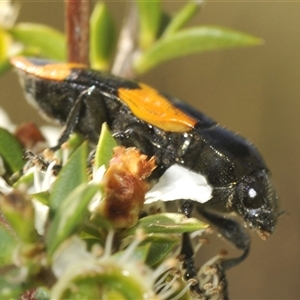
<point x="4" y="187"/>
<point x="42" y="182"/>
<point x="178" y="183"/>
<point x="97" y="178"/>
<point x="72" y="262"/>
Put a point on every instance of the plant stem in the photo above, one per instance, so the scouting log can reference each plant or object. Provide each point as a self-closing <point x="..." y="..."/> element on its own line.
<point x="77" y="30"/>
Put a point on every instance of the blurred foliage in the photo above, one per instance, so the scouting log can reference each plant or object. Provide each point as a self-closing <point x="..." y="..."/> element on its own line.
<point x="161" y="37"/>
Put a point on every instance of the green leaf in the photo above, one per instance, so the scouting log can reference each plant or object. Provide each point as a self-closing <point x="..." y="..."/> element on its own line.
<point x="183" y="16"/>
<point x="164" y="23"/>
<point x="42" y="197"/>
<point x="150" y="14"/>
<point x="11" y="151"/>
<point x="19" y="212"/>
<point x="50" y="42"/>
<point x="105" y="147"/>
<point x="96" y="221"/>
<point x="10" y="290"/>
<point x="7" y="246"/>
<point x="167" y="223"/>
<point x="140" y="253"/>
<point x="103" y="37"/>
<point x="74" y="141"/>
<point x="71" y="175"/>
<point x="69" y="216"/>
<point x="160" y="247"/>
<point x="193" y="40"/>
<point x="25" y="179"/>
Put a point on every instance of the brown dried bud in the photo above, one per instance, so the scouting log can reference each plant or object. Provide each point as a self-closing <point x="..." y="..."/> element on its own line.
<point x="125" y="187"/>
<point x="31" y="137"/>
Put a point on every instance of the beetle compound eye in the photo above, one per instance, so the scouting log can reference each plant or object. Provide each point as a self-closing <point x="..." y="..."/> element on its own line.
<point x="253" y="190"/>
<point x="254" y="197"/>
<point x="256" y="201"/>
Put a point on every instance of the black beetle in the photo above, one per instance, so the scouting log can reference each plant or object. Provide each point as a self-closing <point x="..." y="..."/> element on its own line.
<point x="163" y="126"/>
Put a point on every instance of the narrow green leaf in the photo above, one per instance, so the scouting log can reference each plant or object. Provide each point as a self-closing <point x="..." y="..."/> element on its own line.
<point x="103" y="37"/>
<point x="164" y="23"/>
<point x="11" y="151"/>
<point x="7" y="246"/>
<point x="50" y="42"/>
<point x="70" y="176"/>
<point x="42" y="197"/>
<point x="104" y="148"/>
<point x="182" y="17"/>
<point x="25" y="179"/>
<point x="69" y="216"/>
<point x="74" y="141"/>
<point x="160" y="247"/>
<point x="150" y="14"/>
<point x="167" y="223"/>
<point x="193" y="40"/>
<point x="19" y="213"/>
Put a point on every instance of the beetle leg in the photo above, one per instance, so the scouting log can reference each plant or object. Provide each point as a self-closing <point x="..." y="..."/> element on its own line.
<point x="92" y="117"/>
<point x="234" y="232"/>
<point x="187" y="251"/>
<point x="71" y="122"/>
<point x="136" y="136"/>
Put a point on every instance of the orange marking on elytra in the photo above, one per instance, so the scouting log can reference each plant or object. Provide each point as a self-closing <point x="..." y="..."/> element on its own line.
<point x="148" y="105"/>
<point x="57" y="71"/>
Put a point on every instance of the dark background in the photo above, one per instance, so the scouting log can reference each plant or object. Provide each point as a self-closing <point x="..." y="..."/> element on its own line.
<point x="253" y="91"/>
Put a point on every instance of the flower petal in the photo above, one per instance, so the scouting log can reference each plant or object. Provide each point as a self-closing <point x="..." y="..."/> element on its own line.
<point x="179" y="182"/>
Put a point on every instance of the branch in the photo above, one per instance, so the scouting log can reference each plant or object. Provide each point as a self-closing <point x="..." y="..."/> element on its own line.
<point x="77" y="30"/>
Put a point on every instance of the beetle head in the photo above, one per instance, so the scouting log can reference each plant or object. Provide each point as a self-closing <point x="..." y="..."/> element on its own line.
<point x="257" y="201"/>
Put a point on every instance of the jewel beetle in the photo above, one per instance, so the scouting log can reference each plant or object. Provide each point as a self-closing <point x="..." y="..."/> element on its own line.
<point x="158" y="124"/>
